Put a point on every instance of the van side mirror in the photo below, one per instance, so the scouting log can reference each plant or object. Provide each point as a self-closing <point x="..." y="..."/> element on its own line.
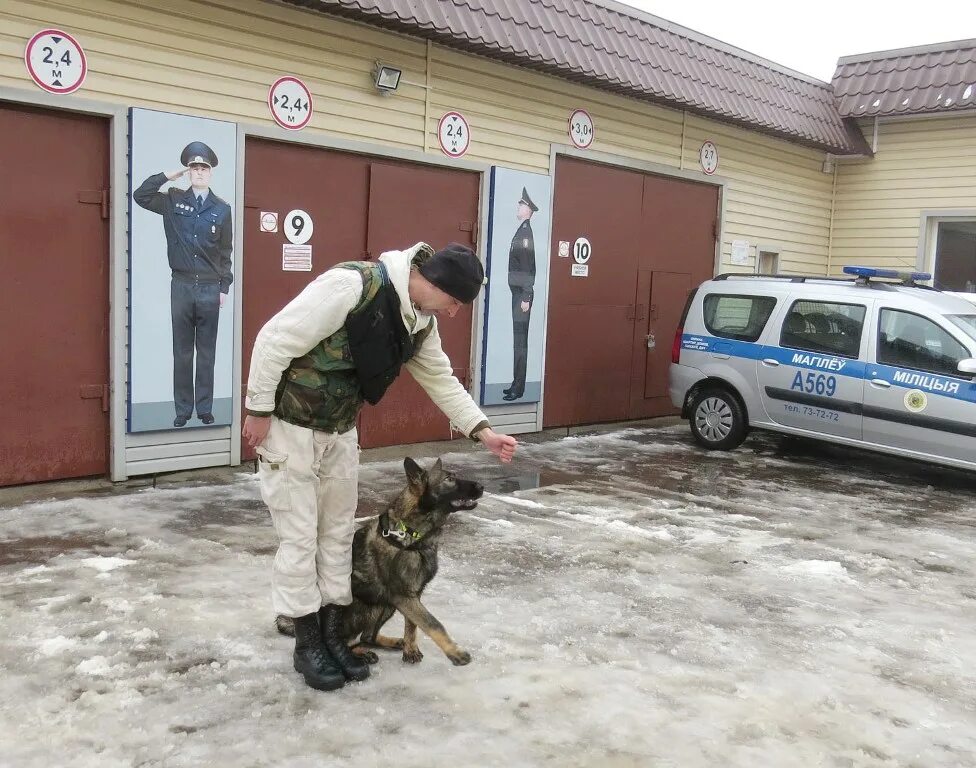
<point x="968" y="366"/>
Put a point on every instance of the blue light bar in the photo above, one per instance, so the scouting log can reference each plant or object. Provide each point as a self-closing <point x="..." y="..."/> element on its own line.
<point x="871" y="272"/>
<point x="895" y="274"/>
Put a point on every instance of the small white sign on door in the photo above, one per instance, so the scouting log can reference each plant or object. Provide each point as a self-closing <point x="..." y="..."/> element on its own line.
<point x="564" y="248"/>
<point x="298" y="227"/>
<point x="581" y="270"/>
<point x="269" y="221"/>
<point x="296" y="258"/>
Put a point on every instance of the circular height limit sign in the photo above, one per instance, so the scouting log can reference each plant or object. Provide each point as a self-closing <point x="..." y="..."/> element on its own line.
<point x="708" y="157"/>
<point x="453" y="134"/>
<point x="581" y="128"/>
<point x="56" y="61"/>
<point x="290" y="103"/>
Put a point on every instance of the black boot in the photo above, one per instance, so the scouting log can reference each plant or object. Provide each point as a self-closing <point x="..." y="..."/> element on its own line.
<point x="353" y="667"/>
<point x="311" y="658"/>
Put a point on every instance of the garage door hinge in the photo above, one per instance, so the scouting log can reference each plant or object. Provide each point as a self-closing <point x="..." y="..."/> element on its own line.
<point x="96" y="392"/>
<point x="95" y="197"/>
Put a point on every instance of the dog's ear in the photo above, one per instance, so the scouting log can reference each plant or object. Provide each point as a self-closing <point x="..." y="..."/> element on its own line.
<point x="415" y="474"/>
<point x="438" y="467"/>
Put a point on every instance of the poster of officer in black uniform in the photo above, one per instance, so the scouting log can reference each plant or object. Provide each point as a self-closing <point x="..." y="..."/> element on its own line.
<point x="521" y="279"/>
<point x="197" y="229"/>
<point x="518" y="284"/>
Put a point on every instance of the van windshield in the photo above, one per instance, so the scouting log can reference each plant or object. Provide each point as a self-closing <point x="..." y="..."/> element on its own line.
<point x="966" y="322"/>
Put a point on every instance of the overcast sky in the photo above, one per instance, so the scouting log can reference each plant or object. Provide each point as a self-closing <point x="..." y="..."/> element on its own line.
<point x="810" y="37"/>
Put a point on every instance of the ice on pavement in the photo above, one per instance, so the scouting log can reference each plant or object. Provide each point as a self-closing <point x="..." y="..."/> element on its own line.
<point x="628" y="599"/>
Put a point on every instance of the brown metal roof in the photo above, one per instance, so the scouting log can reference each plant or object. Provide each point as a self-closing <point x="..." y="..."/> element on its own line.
<point x="616" y="48"/>
<point x="908" y="81"/>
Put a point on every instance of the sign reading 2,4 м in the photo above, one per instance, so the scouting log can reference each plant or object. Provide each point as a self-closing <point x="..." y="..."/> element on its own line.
<point x="815" y="383"/>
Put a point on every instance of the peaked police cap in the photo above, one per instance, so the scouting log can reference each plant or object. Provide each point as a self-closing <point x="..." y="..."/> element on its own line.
<point x="198" y="152"/>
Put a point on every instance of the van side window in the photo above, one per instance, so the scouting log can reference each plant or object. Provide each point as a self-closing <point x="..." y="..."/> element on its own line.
<point x="907" y="340"/>
<point x="737" y="317"/>
<point x="824" y="327"/>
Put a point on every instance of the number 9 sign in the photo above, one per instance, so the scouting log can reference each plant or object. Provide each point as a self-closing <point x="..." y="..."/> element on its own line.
<point x="581" y="128"/>
<point x="298" y="227"/>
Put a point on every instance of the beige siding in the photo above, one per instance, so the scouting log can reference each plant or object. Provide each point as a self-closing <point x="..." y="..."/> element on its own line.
<point x="920" y="165"/>
<point x="217" y="59"/>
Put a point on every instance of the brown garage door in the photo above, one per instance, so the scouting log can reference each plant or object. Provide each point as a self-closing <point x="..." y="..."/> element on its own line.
<point x="54" y="295"/>
<point x="610" y="332"/>
<point x="360" y="207"/>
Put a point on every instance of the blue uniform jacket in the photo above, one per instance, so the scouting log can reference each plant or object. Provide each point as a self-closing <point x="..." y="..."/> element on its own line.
<point x="198" y="242"/>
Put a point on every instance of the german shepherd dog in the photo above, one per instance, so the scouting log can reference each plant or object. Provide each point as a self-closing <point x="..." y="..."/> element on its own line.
<point x="395" y="558"/>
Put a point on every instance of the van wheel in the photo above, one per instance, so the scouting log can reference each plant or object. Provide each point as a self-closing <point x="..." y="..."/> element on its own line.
<point x="718" y="420"/>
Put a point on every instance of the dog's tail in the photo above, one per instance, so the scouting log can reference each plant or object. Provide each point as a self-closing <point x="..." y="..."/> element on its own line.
<point x="285" y="625"/>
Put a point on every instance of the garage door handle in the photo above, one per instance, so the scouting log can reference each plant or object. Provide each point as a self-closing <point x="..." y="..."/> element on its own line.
<point x="881" y="383"/>
<point x="770" y="361"/>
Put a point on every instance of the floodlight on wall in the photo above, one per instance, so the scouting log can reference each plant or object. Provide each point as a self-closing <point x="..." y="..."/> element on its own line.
<point x="386" y="79"/>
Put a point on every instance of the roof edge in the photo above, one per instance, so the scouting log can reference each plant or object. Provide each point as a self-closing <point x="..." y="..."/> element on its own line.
<point x="951" y="45"/>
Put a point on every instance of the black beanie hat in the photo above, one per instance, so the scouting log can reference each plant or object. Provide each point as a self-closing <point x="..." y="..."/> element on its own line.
<point x="456" y="271"/>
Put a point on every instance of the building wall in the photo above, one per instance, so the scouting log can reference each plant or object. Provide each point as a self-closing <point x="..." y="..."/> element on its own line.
<point x="921" y="164"/>
<point x="217" y="59"/>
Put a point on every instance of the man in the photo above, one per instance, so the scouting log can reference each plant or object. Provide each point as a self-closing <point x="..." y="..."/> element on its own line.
<point x="341" y="341"/>
<point x="521" y="278"/>
<point x="199" y="240"/>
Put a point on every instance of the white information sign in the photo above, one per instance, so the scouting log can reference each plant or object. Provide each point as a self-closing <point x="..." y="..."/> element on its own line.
<point x="298" y="227"/>
<point x="56" y="61"/>
<point x="740" y="251"/>
<point x="453" y="134"/>
<point x="581" y="128"/>
<point x="708" y="157"/>
<point x="564" y="248"/>
<point x="269" y="221"/>
<point x="290" y="103"/>
<point x="582" y="250"/>
<point x="296" y="258"/>
<point x="581" y="270"/>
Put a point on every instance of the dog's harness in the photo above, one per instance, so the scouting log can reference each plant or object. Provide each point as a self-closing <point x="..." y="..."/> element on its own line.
<point x="398" y="534"/>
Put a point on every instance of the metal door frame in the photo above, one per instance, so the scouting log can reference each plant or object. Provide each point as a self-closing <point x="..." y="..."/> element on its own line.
<point x="640" y="166"/>
<point x="118" y="248"/>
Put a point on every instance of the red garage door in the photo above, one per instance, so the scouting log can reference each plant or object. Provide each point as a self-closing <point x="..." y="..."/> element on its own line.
<point x="609" y="333"/>
<point x="360" y="207"/>
<point x="54" y="250"/>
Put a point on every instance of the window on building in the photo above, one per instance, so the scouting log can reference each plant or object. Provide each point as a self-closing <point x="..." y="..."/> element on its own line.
<point x="955" y="256"/>
<point x="767" y="261"/>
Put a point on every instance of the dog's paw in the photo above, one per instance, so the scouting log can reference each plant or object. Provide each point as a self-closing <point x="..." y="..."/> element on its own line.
<point x="460" y="658"/>
<point x="412" y="655"/>
<point x="365" y="654"/>
<point x="285" y="625"/>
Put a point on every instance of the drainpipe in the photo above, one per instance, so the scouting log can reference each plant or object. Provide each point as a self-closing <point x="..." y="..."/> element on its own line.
<point x="830" y="227"/>
<point x="874" y="139"/>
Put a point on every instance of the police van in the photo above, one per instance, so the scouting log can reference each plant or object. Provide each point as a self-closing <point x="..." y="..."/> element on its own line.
<point x="873" y="360"/>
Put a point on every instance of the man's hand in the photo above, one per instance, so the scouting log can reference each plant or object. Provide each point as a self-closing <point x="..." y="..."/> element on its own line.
<point x="525" y="306"/>
<point x="256" y="428"/>
<point x="174" y="175"/>
<point x="503" y="446"/>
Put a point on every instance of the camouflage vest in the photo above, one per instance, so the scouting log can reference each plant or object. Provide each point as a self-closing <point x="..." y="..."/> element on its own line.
<point x="322" y="390"/>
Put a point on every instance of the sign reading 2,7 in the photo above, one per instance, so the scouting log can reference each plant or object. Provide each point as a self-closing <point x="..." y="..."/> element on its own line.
<point x="815" y="383"/>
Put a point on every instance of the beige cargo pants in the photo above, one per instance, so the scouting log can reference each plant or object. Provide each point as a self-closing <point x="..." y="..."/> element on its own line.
<point x="309" y="482"/>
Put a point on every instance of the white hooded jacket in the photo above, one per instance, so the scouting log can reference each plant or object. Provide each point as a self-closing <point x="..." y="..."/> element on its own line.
<point x="321" y="309"/>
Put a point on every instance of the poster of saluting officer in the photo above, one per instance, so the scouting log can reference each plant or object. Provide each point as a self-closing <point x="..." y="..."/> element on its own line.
<point x="181" y="249"/>
<point x="518" y="271"/>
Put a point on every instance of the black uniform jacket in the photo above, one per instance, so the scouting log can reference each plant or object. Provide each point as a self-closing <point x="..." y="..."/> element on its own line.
<point x="521" y="263"/>
<point x="199" y="242"/>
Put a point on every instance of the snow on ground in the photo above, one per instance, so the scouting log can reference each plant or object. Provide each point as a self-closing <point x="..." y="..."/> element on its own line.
<point x="628" y="599"/>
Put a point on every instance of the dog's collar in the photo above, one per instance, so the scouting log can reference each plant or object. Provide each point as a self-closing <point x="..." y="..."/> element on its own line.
<point x="398" y="534"/>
